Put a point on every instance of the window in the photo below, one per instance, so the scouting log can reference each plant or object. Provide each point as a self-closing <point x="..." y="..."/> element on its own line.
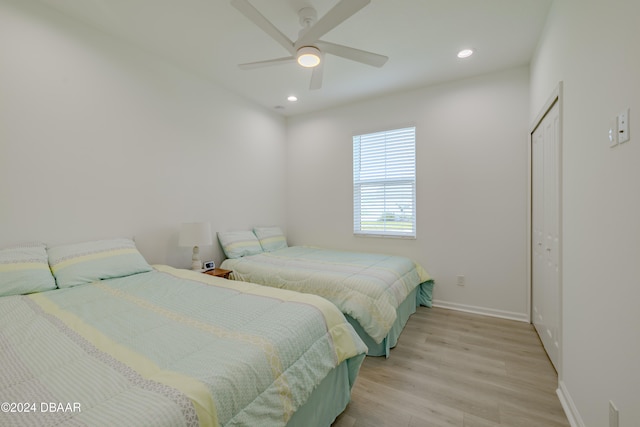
<point x="384" y="183"/>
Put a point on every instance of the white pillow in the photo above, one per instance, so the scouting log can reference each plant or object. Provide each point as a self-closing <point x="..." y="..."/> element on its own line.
<point x="24" y="269"/>
<point x="87" y="262"/>
<point x="237" y="244"/>
<point x="270" y="238"/>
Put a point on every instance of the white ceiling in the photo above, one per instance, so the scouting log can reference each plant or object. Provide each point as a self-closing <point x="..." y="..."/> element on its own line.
<point x="420" y="37"/>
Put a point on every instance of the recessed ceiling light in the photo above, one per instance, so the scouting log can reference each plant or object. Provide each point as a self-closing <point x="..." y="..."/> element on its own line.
<point x="292" y="98"/>
<point x="465" y="53"/>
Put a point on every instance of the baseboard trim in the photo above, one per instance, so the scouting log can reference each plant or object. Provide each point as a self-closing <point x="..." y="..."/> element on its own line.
<point x="521" y="317"/>
<point x="570" y="410"/>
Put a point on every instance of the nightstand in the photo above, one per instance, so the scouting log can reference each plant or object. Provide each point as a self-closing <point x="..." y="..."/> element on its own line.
<point x="218" y="272"/>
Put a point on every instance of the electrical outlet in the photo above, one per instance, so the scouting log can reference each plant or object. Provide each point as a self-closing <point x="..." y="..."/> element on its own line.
<point x="613" y="415"/>
<point x="623" y="126"/>
<point x="461" y="280"/>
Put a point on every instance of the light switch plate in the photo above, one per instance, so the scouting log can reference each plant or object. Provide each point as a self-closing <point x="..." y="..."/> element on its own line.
<point x="613" y="415"/>
<point x="613" y="133"/>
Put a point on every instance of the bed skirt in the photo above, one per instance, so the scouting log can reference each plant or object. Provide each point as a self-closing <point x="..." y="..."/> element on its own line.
<point x="422" y="295"/>
<point x="328" y="400"/>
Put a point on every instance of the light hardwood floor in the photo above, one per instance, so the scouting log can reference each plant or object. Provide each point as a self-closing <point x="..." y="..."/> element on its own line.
<point x="457" y="369"/>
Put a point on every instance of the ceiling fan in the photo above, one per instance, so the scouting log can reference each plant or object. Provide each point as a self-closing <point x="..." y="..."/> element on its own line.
<point x="309" y="50"/>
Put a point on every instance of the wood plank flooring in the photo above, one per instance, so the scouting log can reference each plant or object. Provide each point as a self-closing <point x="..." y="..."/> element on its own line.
<point x="454" y="369"/>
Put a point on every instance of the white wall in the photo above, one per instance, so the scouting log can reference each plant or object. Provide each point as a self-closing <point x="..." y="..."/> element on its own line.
<point x="98" y="140"/>
<point x="591" y="45"/>
<point x="471" y="183"/>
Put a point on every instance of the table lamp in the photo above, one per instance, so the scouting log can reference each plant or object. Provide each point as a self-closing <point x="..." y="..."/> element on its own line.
<point x="195" y="234"/>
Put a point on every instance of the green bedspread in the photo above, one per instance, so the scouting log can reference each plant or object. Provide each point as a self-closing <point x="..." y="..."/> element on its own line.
<point x="167" y="348"/>
<point x="368" y="287"/>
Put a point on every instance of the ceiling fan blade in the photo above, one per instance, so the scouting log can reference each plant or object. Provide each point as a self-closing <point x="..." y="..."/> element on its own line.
<point x="340" y="12"/>
<point x="316" y="77"/>
<point x="267" y="63"/>
<point x="353" y="54"/>
<point x="257" y="18"/>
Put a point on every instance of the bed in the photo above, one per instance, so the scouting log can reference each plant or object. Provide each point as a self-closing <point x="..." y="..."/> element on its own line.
<point x="142" y="345"/>
<point x="377" y="293"/>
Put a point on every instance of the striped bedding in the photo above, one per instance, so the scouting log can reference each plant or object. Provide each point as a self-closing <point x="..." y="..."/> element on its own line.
<point x="367" y="287"/>
<point x="167" y="348"/>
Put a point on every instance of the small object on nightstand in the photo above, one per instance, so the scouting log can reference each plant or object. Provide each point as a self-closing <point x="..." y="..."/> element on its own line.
<point x="209" y="265"/>
<point x="218" y="272"/>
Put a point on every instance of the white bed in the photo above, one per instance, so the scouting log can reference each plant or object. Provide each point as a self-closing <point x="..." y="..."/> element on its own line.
<point x="109" y="340"/>
<point x="377" y="293"/>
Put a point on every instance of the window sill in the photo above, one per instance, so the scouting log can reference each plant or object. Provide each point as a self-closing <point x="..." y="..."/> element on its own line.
<point x="386" y="236"/>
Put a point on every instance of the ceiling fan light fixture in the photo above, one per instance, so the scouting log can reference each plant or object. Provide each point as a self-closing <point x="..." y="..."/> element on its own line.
<point x="308" y="56"/>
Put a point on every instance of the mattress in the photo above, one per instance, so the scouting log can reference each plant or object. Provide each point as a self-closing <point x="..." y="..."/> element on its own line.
<point x="367" y="287"/>
<point x="172" y="348"/>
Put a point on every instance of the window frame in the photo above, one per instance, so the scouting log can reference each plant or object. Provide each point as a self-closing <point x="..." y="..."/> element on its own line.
<point x="385" y="182"/>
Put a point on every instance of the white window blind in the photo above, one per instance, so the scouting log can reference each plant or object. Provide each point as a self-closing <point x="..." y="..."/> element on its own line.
<point x="384" y="183"/>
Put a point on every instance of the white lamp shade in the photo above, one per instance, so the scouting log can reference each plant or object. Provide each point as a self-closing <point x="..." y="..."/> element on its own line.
<point x="195" y="234"/>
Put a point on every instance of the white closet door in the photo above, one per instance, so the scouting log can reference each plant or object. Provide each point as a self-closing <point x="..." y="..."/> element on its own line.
<point x="546" y="232"/>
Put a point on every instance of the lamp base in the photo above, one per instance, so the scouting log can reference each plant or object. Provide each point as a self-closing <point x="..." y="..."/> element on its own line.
<point x="196" y="264"/>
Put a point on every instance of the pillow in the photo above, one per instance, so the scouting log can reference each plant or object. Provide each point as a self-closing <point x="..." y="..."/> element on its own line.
<point x="24" y="269"/>
<point x="87" y="262"/>
<point x="271" y="238"/>
<point x="237" y="244"/>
